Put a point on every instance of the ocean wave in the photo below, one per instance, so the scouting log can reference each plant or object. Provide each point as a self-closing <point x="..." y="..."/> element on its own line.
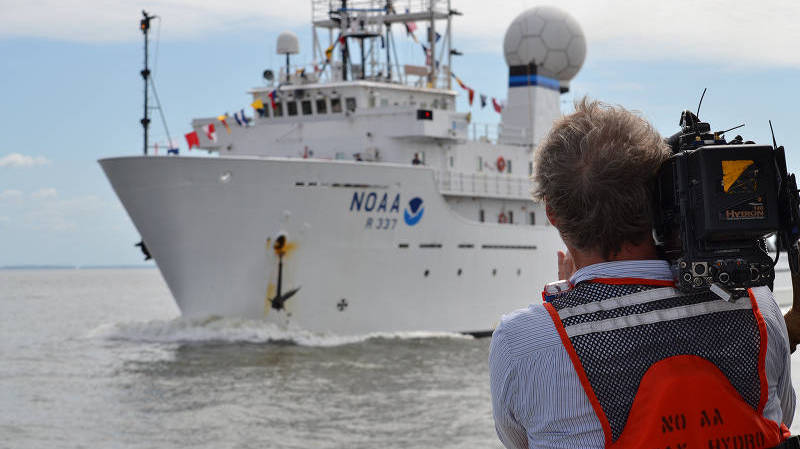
<point x="235" y="330"/>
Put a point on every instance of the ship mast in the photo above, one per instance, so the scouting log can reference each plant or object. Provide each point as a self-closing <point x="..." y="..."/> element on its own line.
<point x="144" y="25"/>
<point x="373" y="19"/>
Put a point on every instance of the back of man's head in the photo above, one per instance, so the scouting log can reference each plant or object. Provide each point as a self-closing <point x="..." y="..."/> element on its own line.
<point x="594" y="170"/>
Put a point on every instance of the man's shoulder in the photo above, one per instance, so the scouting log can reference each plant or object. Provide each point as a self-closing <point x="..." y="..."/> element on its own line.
<point x="765" y="302"/>
<point x="526" y="331"/>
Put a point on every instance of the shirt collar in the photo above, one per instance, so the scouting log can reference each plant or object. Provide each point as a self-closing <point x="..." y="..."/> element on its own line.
<point x="641" y="269"/>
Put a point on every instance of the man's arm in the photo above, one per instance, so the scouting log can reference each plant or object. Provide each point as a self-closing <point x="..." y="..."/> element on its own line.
<point x="502" y="381"/>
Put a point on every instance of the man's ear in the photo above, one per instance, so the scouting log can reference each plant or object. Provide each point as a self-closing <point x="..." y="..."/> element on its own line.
<point x="550" y="215"/>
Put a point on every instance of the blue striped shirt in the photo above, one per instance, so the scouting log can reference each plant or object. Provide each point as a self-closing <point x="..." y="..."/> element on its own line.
<point x="537" y="398"/>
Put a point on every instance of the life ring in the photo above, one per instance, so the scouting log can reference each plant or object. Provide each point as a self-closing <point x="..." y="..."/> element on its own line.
<point x="501" y="164"/>
<point x="502" y="218"/>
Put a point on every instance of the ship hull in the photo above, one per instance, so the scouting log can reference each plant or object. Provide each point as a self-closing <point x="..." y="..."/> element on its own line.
<point x="362" y="256"/>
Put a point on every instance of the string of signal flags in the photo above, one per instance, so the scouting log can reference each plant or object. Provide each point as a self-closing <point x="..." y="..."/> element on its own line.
<point x="411" y="27"/>
<point x="242" y="120"/>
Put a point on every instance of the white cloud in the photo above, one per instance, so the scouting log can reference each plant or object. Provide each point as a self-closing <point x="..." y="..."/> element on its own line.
<point x="729" y="32"/>
<point x="62" y="214"/>
<point x="117" y="20"/>
<point x="44" y="193"/>
<point x="715" y="31"/>
<point x="10" y="194"/>
<point x="21" y="160"/>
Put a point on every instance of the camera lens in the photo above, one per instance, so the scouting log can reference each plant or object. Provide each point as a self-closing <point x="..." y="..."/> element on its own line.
<point x="724" y="277"/>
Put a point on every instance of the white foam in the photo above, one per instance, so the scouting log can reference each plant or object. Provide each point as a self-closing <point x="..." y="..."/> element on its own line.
<point x="235" y="330"/>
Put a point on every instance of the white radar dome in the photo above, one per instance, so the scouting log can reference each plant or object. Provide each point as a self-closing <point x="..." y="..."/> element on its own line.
<point x="548" y="38"/>
<point x="288" y="44"/>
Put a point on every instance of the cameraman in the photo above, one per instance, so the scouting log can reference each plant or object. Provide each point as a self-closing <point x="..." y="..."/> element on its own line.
<point x="621" y="357"/>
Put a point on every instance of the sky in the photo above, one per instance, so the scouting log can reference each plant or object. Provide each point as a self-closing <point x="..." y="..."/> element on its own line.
<point x="72" y="92"/>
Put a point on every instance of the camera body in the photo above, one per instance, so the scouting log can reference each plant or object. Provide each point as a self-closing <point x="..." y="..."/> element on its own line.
<point x="715" y="204"/>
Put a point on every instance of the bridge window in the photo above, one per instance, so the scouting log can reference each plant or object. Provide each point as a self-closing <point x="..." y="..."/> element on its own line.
<point x="511" y="217"/>
<point x="451" y="161"/>
<point x="532" y="218"/>
<point x="530" y="168"/>
<point x="350" y="103"/>
<point x="508" y="165"/>
<point x="336" y="105"/>
<point x="480" y="164"/>
<point x="291" y="108"/>
<point x="305" y="106"/>
<point x="278" y="111"/>
<point x="322" y="106"/>
<point x="481" y="216"/>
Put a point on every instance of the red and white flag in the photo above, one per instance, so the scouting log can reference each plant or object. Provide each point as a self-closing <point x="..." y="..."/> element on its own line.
<point x="192" y="140"/>
<point x="498" y="107"/>
<point x="211" y="132"/>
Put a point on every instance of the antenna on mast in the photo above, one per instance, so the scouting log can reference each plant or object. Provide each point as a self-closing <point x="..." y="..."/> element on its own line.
<point x="144" y="25"/>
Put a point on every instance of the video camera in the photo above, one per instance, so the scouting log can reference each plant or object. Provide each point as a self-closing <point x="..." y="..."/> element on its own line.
<point x="716" y="203"/>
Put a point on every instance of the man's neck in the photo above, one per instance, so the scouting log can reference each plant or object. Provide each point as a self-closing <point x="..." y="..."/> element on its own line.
<point x="629" y="251"/>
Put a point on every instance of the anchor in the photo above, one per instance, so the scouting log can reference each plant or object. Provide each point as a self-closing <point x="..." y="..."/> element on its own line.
<point x="280" y="299"/>
<point x="145" y="251"/>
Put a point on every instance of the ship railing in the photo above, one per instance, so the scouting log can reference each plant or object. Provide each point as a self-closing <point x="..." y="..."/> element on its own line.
<point x="483" y="184"/>
<point x="494" y="133"/>
<point x="321" y="9"/>
<point x="483" y="132"/>
<point x="409" y="75"/>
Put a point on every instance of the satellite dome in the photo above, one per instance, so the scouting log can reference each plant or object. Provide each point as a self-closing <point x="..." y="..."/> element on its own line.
<point x="288" y="44"/>
<point x="548" y="38"/>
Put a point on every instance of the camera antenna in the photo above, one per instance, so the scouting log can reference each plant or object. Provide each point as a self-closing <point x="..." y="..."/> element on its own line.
<point x="701" y="102"/>
<point x="730" y="129"/>
<point x="774" y="143"/>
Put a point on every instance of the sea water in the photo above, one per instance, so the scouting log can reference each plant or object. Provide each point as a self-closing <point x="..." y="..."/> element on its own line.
<point x="100" y="358"/>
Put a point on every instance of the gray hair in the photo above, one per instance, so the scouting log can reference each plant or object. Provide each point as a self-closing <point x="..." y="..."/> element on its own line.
<point x="594" y="170"/>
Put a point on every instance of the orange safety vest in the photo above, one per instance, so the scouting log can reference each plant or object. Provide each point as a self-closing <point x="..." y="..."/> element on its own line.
<point x="664" y="369"/>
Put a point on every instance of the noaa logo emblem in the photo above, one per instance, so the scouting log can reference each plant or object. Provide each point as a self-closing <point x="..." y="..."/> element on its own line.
<point x="413" y="213"/>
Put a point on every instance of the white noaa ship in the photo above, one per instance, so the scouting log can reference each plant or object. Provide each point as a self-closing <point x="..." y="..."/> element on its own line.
<point x="361" y="200"/>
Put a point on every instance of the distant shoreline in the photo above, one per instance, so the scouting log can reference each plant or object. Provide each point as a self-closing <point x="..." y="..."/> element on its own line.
<point x="73" y="267"/>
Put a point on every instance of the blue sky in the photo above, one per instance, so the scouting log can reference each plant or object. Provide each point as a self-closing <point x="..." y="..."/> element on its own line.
<point x="72" y="90"/>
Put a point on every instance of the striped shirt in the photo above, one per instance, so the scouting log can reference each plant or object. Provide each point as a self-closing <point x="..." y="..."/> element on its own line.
<point x="537" y="398"/>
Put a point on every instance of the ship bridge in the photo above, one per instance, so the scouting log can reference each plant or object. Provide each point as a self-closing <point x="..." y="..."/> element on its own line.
<point x="356" y="102"/>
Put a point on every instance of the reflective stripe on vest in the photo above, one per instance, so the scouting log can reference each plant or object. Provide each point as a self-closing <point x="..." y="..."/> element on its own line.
<point x="664" y="369"/>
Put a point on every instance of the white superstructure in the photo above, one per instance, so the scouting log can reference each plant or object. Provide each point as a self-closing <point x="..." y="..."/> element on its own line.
<point x="358" y="199"/>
